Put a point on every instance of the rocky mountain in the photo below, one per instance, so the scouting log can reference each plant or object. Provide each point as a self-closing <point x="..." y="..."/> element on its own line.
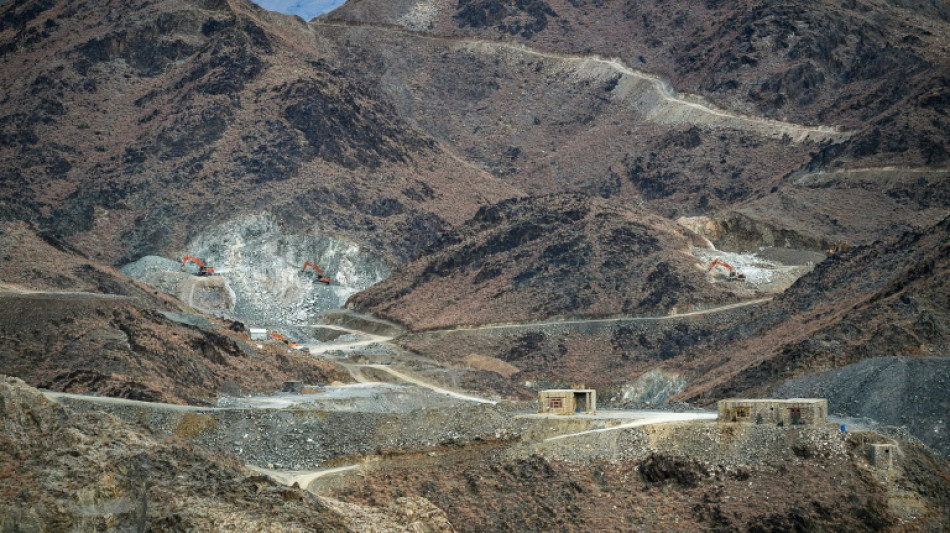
<point x="548" y="256"/>
<point x="855" y="311"/>
<point x="127" y="129"/>
<point x="667" y="201"/>
<point x="877" y="67"/>
<point x="507" y="161"/>
<point x="884" y="299"/>
<point x="856" y="94"/>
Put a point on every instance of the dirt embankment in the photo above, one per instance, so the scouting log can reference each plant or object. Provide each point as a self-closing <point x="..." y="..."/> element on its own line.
<point x="305" y="438"/>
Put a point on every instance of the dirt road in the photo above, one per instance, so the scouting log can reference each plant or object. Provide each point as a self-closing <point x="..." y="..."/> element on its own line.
<point x="430" y="386"/>
<point x="303" y="478"/>
<point x="106" y="400"/>
<point x="649" y="419"/>
<point x="570" y="321"/>
<point x="679" y="107"/>
<point x="9" y="290"/>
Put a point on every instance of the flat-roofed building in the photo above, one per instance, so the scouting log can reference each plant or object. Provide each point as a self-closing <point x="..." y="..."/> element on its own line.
<point x="567" y="401"/>
<point x="791" y="412"/>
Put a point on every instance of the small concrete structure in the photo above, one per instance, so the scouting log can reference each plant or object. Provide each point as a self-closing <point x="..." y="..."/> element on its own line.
<point x="793" y="412"/>
<point x="567" y="401"/>
<point x="295" y="387"/>
<point x="882" y="455"/>
<point x="258" y="334"/>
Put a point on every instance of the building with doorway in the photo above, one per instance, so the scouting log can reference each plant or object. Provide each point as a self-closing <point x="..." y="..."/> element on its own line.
<point x="792" y="412"/>
<point x="567" y="401"/>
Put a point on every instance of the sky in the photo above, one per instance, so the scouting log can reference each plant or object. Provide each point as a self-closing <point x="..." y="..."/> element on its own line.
<point x="307" y="9"/>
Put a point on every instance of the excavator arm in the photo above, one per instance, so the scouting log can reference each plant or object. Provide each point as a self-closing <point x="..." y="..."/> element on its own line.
<point x="320" y="277"/>
<point x="733" y="275"/>
<point x="203" y="269"/>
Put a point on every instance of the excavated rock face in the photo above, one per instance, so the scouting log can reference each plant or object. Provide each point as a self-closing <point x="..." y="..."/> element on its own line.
<point x="258" y="272"/>
<point x="68" y="324"/>
<point x="651" y="388"/>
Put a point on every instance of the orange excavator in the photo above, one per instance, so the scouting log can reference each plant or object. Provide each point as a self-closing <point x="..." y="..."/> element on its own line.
<point x="320" y="277"/>
<point x="203" y="269"/>
<point x="278" y="337"/>
<point x="840" y="246"/>
<point x="733" y="275"/>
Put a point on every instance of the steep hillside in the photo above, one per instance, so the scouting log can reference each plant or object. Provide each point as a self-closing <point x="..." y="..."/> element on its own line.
<point x="677" y="477"/>
<point x="549" y="122"/>
<point x="127" y="128"/>
<point x="854" y="312"/>
<point x="875" y="65"/>
<point x="799" y="126"/>
<point x="545" y="256"/>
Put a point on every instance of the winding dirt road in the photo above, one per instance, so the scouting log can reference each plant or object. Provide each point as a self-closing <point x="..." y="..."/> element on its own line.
<point x="303" y="478"/>
<point x="572" y="321"/>
<point x="430" y="386"/>
<point x="683" y="108"/>
<point x="658" y="417"/>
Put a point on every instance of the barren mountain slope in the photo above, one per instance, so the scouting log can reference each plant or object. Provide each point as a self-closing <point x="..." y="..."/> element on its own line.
<point x="127" y="128"/>
<point x="71" y="325"/>
<point x="858" y="206"/>
<point x="871" y="64"/>
<point x="871" y="304"/>
<point x="533" y="258"/>
<point x="549" y="122"/>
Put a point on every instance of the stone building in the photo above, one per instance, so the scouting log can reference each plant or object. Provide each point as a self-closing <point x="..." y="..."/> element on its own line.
<point x="882" y="455"/>
<point x="567" y="401"/>
<point x="793" y="412"/>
